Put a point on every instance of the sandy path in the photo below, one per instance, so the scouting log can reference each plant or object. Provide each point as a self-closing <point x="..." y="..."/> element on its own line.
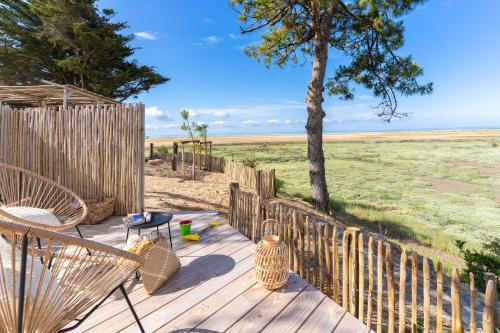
<point x="168" y="190"/>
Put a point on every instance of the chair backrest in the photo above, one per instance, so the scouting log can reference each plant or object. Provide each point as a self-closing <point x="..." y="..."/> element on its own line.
<point x="61" y="282"/>
<point x="19" y="187"/>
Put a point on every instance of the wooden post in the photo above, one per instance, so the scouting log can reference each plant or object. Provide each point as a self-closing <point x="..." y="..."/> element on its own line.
<point x="345" y="270"/>
<point x="472" y="289"/>
<point x="258" y="183"/>
<point x="402" y="290"/>
<point x="439" y="298"/>
<point x="174" y="156"/>
<point x="414" y="272"/>
<point x="194" y="161"/>
<point x="233" y="189"/>
<point x="390" y="287"/>
<point x="353" y="272"/>
<point x="490" y="311"/>
<point x="380" y="285"/>
<point x="369" y="304"/>
<point x="336" y="265"/>
<point x="308" y="256"/>
<point x="151" y="151"/>
<point x="457" y="325"/>
<point x="361" y="278"/>
<point x="427" y="295"/>
<point x="328" y="261"/>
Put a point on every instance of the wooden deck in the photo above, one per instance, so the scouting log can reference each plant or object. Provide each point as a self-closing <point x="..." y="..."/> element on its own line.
<point x="215" y="290"/>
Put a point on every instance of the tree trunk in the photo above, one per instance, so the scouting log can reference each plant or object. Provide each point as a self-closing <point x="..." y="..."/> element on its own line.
<point x="315" y="115"/>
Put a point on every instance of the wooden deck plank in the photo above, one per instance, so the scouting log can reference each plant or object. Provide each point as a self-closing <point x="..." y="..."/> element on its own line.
<point x="324" y="319"/>
<point x="210" y="305"/>
<point x="233" y="311"/>
<point x="208" y="266"/>
<point x="297" y="312"/>
<point x="166" y="313"/>
<point x="265" y="311"/>
<point x="350" y="324"/>
<point x="208" y="246"/>
<point x="214" y="290"/>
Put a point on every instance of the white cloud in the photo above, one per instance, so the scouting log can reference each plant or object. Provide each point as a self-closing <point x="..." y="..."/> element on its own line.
<point x="252" y="110"/>
<point x="146" y="35"/>
<point x="269" y="122"/>
<point x="234" y="36"/>
<point x="155" y="113"/>
<point x="219" y="123"/>
<point x="208" y="41"/>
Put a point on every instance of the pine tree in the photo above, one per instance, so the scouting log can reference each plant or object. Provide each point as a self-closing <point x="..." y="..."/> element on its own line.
<point x="367" y="32"/>
<point x="70" y="42"/>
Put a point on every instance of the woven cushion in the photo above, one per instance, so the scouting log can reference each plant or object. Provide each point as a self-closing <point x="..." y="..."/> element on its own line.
<point x="38" y="215"/>
<point x="159" y="265"/>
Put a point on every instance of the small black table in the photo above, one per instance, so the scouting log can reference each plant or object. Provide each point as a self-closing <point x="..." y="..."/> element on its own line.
<point x="157" y="219"/>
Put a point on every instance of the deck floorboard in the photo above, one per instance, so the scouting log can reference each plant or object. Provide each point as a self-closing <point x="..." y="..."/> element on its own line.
<point x="214" y="290"/>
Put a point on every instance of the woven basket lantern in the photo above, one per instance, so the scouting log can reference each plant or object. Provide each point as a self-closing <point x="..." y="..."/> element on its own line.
<point x="271" y="260"/>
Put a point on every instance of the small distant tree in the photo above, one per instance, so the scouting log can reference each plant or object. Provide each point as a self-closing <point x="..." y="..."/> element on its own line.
<point x="367" y="32"/>
<point x="187" y="125"/>
<point x="201" y="129"/>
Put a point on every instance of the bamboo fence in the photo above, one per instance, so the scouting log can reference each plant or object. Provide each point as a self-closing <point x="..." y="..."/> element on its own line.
<point x="384" y="286"/>
<point x="97" y="151"/>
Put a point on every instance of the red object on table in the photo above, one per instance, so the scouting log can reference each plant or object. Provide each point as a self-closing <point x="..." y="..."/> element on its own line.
<point x="186" y="222"/>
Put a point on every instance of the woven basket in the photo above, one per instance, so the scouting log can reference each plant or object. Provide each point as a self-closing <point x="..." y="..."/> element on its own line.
<point x="99" y="210"/>
<point x="271" y="261"/>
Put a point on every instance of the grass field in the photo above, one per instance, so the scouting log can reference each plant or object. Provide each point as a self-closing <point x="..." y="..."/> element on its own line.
<point x="430" y="191"/>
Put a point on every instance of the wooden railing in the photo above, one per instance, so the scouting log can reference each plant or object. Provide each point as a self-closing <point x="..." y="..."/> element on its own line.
<point x="386" y="287"/>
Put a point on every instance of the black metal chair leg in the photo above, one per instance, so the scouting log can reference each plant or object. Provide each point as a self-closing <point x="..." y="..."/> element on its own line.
<point x="39" y="243"/>
<point x="126" y="239"/>
<point x="81" y="236"/>
<point x="169" y="234"/>
<point x="138" y="321"/>
<point x="22" y="284"/>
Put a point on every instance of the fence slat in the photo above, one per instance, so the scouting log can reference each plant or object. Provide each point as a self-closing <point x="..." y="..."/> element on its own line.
<point x="457" y="325"/>
<point x="427" y="296"/>
<point x="402" y="295"/>
<point x="439" y="298"/>
<point x="380" y="286"/>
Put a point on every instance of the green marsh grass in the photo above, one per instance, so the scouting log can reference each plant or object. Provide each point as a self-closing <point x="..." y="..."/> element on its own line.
<point x="433" y="192"/>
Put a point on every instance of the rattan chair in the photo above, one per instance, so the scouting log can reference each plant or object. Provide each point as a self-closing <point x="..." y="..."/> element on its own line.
<point x="39" y="197"/>
<point x="50" y="297"/>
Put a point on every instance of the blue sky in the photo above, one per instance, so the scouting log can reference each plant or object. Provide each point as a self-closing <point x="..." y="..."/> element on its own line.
<point x="198" y="45"/>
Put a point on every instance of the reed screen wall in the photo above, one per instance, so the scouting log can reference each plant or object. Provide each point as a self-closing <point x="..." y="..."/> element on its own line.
<point x="95" y="150"/>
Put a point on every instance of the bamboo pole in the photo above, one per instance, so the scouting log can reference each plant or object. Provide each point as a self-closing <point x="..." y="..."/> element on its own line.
<point x="427" y="296"/>
<point x="402" y="287"/>
<point x="370" y="283"/>
<point x="390" y="287"/>
<point x="490" y="310"/>
<point x="414" y="270"/>
<point x="328" y="260"/>
<point x="361" y="278"/>
<point x="472" y="326"/>
<point x="379" y="286"/>
<point x="439" y="298"/>
<point x="457" y="325"/>
<point x="345" y="270"/>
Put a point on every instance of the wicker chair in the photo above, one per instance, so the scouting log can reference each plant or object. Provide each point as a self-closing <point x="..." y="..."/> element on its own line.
<point x="33" y="200"/>
<point x="36" y="298"/>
